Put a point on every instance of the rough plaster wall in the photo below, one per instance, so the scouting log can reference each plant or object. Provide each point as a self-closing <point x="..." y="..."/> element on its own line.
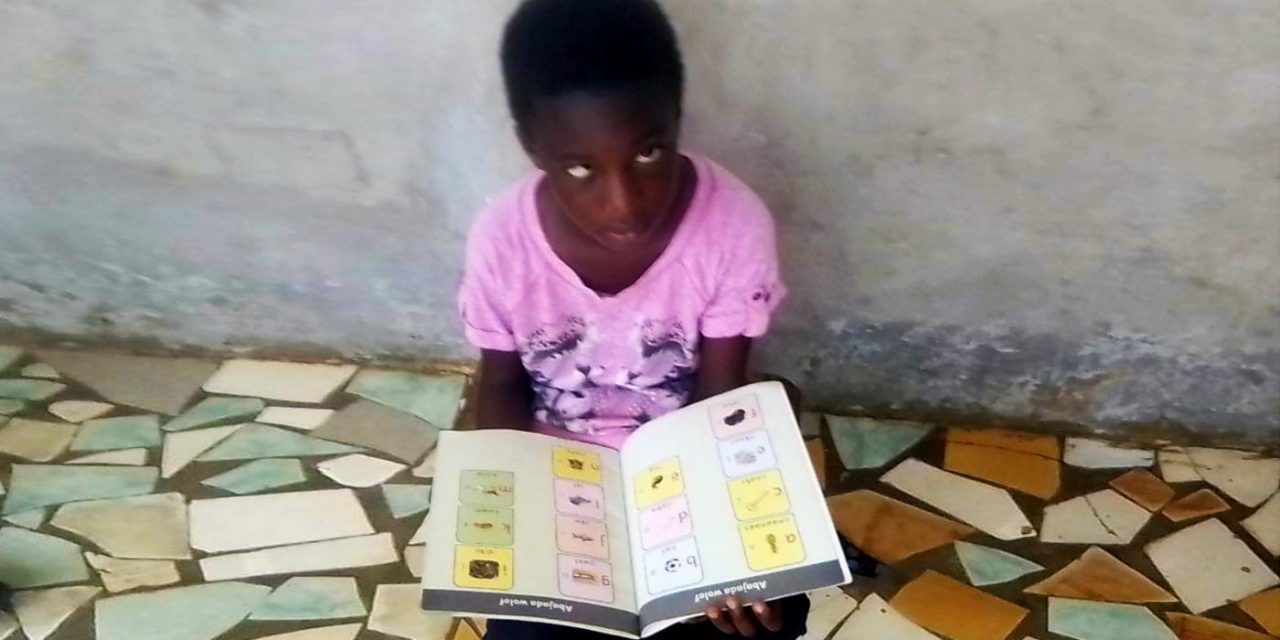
<point x="1036" y="210"/>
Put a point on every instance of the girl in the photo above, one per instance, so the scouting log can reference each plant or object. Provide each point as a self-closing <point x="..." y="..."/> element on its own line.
<point x="625" y="278"/>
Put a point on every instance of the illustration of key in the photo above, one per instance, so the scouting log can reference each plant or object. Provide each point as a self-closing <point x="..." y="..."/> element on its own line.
<point x="751" y="506"/>
<point x="773" y="542"/>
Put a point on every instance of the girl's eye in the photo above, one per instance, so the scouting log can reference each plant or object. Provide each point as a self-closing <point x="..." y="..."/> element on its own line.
<point x="651" y="156"/>
<point x="579" y="171"/>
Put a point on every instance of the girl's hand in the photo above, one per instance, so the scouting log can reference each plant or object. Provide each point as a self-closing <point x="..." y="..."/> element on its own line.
<point x="733" y="617"/>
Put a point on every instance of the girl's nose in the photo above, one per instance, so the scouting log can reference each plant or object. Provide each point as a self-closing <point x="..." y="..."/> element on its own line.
<point x="623" y="205"/>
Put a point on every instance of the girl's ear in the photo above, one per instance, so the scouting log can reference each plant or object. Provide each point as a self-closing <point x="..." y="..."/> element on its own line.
<point x="530" y="149"/>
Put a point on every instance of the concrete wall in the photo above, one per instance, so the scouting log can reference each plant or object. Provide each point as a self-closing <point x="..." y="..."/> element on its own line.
<point x="1029" y="209"/>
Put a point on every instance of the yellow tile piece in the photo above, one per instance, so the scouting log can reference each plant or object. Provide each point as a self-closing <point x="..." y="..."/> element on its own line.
<point x="956" y="610"/>
<point x="1264" y="607"/>
<point x="1097" y="575"/>
<point x="1144" y="488"/>
<point x="1035" y="444"/>
<point x="889" y="530"/>
<point x="1029" y="473"/>
<point x="465" y="632"/>
<point x="1188" y="627"/>
<point x="1196" y="505"/>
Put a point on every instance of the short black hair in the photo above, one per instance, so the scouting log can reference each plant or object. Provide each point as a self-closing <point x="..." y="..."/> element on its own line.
<point x="554" y="47"/>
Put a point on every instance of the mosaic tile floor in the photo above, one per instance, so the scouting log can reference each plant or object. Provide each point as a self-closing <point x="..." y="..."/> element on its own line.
<point x="180" y="499"/>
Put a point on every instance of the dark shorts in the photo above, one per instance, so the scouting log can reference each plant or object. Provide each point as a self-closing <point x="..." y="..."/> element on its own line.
<point x="795" y="610"/>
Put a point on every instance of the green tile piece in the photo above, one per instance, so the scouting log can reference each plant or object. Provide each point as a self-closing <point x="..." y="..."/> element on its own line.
<point x="259" y="475"/>
<point x="199" y="612"/>
<point x="1089" y="620"/>
<point x="262" y="441"/>
<point x="30" y="559"/>
<point x="312" y="598"/>
<point x="864" y="443"/>
<point x="40" y="370"/>
<point x="9" y="406"/>
<point x="215" y="411"/>
<point x="405" y="500"/>
<point x="124" y="432"/>
<point x="23" y="389"/>
<point x="39" y="485"/>
<point x="433" y="398"/>
<point x="8" y="356"/>
<point x="984" y="565"/>
<point x="30" y="519"/>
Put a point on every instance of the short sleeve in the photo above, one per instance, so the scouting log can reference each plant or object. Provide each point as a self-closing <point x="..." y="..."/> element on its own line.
<point x="486" y="318"/>
<point x="747" y="287"/>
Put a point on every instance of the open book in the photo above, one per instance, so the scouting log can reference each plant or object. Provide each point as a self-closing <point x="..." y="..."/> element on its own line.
<point x="716" y="499"/>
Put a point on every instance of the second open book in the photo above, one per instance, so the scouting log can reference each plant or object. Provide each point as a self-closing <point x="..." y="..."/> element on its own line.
<point x="713" y="500"/>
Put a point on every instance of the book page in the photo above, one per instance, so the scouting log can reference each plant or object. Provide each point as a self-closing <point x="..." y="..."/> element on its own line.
<point x="722" y="500"/>
<point x="528" y="526"/>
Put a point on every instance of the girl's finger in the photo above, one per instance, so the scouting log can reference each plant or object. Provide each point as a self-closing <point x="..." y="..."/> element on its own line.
<point x="769" y="615"/>
<point x="720" y="621"/>
<point x="743" y="620"/>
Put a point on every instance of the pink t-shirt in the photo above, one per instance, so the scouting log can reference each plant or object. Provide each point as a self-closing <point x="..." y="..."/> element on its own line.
<point x="603" y="365"/>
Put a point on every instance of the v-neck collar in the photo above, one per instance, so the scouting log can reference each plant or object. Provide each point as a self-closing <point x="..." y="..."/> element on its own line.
<point x="529" y="211"/>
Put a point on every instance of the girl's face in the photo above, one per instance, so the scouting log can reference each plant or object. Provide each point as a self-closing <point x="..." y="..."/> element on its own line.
<point x="611" y="160"/>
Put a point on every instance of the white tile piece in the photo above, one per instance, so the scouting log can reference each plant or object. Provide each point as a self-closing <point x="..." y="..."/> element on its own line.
<point x="42" y="612"/>
<point x="1264" y="525"/>
<point x="1104" y="517"/>
<point x="335" y="632"/>
<point x="420" y="536"/>
<point x="1248" y="478"/>
<point x="1208" y="566"/>
<point x="303" y="418"/>
<point x="359" y="470"/>
<point x="8" y="624"/>
<point x="428" y="467"/>
<point x="1089" y="453"/>
<point x="286" y="381"/>
<point x="31" y="519"/>
<point x="1175" y="466"/>
<point x="150" y="527"/>
<point x="413" y="556"/>
<point x="827" y="609"/>
<point x="40" y="370"/>
<point x="988" y="508"/>
<point x="122" y="457"/>
<point x="268" y="520"/>
<point x="122" y="575"/>
<point x="158" y="385"/>
<point x="874" y="619"/>
<point x="397" y="611"/>
<point x="181" y="447"/>
<point x="312" y="598"/>
<point x="80" y="410"/>
<point x="364" y="551"/>
<point x="35" y="440"/>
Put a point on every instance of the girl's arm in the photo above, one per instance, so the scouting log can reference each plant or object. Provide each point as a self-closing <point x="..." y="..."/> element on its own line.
<point x="722" y="366"/>
<point x="504" y="399"/>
